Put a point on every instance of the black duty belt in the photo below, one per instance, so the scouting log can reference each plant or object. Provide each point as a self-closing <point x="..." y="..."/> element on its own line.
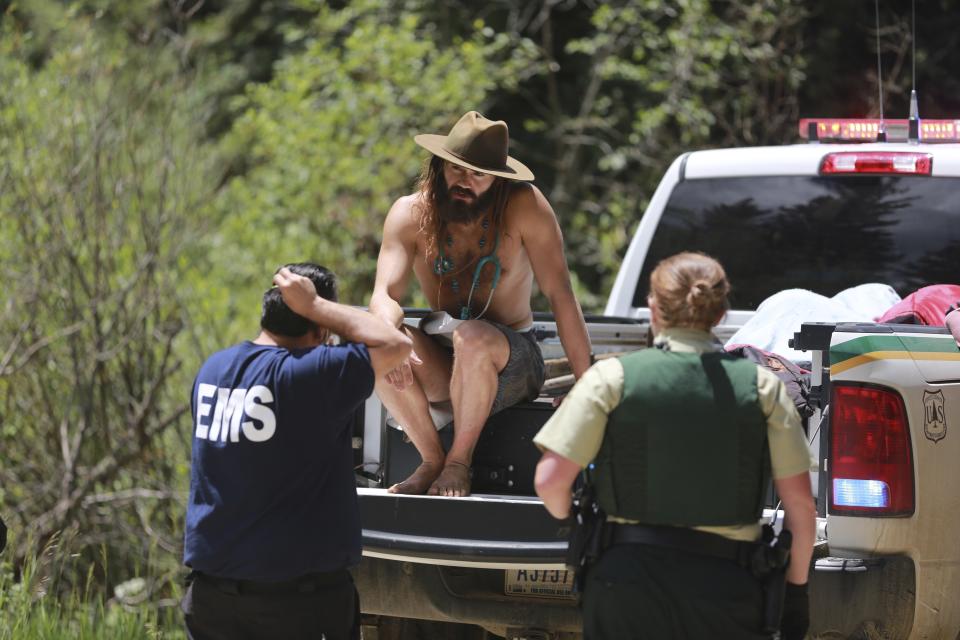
<point x="307" y="583"/>
<point x="683" y="539"/>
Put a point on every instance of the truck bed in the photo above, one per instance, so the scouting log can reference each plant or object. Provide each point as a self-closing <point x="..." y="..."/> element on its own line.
<point x="455" y="559"/>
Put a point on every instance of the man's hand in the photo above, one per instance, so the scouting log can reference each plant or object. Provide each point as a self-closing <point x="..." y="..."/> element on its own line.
<point x="402" y="376"/>
<point x="796" y="612"/>
<point x="953" y="323"/>
<point x="298" y="292"/>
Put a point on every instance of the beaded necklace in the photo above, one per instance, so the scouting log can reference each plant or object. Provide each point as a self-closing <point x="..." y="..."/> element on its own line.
<point x="443" y="266"/>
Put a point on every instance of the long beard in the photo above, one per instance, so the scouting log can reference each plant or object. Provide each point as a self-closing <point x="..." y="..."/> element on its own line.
<point x="457" y="210"/>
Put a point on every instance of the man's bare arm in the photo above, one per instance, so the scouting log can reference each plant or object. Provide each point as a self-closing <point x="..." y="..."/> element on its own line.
<point x="388" y="347"/>
<point x="953" y="324"/>
<point x="543" y="242"/>
<point x="395" y="262"/>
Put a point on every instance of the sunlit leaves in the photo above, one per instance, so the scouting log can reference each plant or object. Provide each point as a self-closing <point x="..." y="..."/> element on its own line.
<point x="326" y="146"/>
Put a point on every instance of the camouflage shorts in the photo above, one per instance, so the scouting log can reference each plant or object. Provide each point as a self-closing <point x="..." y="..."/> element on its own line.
<point x="523" y="376"/>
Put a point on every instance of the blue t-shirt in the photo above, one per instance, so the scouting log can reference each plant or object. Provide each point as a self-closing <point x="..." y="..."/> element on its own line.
<point x="272" y="490"/>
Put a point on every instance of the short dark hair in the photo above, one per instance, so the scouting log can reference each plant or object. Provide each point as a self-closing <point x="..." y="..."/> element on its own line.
<point x="276" y="317"/>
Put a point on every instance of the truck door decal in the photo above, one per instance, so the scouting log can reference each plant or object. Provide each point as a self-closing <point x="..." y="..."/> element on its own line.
<point x="934" y="416"/>
<point x="865" y="350"/>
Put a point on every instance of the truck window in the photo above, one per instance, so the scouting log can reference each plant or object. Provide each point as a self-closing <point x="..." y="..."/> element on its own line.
<point x="819" y="233"/>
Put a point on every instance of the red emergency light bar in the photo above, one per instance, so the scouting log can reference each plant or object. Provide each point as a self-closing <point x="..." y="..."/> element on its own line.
<point x="867" y="129"/>
<point x="900" y="162"/>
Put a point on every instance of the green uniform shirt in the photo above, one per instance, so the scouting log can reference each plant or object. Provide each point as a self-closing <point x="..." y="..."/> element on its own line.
<point x="576" y="429"/>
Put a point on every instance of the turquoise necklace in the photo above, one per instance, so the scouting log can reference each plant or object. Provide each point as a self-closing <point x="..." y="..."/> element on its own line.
<point x="443" y="265"/>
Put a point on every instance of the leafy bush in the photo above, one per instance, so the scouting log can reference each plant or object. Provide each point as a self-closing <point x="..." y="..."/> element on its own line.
<point x="101" y="181"/>
<point x="324" y="148"/>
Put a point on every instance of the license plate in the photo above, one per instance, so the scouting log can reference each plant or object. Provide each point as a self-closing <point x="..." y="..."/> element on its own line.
<point x="547" y="583"/>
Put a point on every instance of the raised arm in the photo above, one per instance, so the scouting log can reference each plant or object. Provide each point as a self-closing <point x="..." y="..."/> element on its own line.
<point x="395" y="262"/>
<point x="388" y="347"/>
<point x="544" y="245"/>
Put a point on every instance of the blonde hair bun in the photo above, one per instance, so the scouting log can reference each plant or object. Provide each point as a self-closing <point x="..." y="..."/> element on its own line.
<point x="690" y="289"/>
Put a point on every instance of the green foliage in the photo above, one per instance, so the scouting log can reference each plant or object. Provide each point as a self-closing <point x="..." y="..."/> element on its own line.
<point x="325" y="147"/>
<point x="131" y="249"/>
<point x="661" y="78"/>
<point x="101" y="178"/>
<point x="238" y="42"/>
<point x="30" y="608"/>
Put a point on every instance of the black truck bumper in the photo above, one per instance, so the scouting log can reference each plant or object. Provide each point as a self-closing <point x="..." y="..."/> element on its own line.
<point x="446" y="559"/>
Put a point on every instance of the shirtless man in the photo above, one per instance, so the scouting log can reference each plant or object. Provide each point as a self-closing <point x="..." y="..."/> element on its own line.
<point x="475" y="234"/>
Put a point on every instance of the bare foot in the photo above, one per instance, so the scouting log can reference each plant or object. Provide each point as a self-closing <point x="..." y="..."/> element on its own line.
<point x="454" y="481"/>
<point x="419" y="481"/>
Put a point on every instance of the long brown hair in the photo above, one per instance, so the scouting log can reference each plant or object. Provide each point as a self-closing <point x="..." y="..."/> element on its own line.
<point x="433" y="188"/>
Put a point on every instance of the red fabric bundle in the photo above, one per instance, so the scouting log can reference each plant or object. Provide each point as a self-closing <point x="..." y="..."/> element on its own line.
<point x="926" y="306"/>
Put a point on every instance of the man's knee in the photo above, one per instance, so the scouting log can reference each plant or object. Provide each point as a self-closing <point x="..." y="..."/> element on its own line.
<point x="477" y="339"/>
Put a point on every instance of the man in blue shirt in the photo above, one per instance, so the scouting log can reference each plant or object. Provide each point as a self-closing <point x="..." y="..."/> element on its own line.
<point x="272" y="521"/>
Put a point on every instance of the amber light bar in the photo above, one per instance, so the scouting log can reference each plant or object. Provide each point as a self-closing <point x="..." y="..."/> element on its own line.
<point x="868" y="129"/>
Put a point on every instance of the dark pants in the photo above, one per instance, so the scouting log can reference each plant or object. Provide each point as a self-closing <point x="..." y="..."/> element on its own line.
<point x="217" y="609"/>
<point x="640" y="591"/>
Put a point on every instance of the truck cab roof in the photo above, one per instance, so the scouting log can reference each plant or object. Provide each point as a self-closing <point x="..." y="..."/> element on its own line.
<point x="803" y="159"/>
<point x="819" y="216"/>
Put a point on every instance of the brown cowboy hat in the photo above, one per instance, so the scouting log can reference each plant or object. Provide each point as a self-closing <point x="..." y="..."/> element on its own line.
<point x="478" y="144"/>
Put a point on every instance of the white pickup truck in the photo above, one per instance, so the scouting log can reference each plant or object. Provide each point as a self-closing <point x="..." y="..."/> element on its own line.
<point x="818" y="216"/>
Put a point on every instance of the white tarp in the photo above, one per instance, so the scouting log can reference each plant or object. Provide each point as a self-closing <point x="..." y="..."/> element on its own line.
<point x="780" y="316"/>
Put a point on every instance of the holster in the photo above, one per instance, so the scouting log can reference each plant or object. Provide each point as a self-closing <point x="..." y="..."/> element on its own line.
<point x="586" y="541"/>
<point x="769" y="566"/>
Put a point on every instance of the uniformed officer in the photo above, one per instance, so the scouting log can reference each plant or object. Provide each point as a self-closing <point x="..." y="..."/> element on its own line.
<point x="272" y="522"/>
<point x="683" y="438"/>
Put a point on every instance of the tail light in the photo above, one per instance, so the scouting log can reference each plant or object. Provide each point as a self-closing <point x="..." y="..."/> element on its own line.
<point x="871" y="466"/>
<point x="877" y="162"/>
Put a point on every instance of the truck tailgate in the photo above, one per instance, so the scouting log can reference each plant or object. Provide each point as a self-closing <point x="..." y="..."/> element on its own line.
<point x="476" y="531"/>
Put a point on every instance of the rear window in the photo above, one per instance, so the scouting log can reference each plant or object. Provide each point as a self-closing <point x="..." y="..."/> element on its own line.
<point x="819" y="233"/>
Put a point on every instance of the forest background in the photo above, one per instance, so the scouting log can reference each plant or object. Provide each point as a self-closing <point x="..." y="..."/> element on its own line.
<point x="160" y="158"/>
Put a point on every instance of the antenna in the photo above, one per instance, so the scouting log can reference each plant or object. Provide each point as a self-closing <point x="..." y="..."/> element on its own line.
<point x="913" y="44"/>
<point x="913" y="123"/>
<point x="882" y="129"/>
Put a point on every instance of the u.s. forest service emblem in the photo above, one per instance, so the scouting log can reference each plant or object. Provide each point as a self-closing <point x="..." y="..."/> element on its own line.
<point x="934" y="416"/>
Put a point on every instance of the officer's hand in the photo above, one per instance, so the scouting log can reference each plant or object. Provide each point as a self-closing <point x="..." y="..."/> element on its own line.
<point x="402" y="376"/>
<point x="796" y="612"/>
<point x="298" y="292"/>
